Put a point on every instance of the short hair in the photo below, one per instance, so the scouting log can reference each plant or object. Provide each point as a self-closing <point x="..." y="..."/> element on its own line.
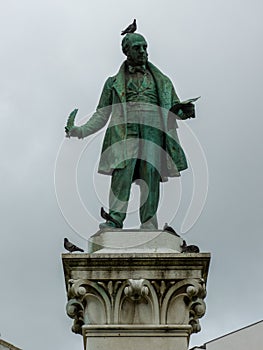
<point x="128" y="40"/>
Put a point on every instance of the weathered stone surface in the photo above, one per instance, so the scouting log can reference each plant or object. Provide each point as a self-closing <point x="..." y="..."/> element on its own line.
<point x="135" y="265"/>
<point x="135" y="241"/>
<point x="155" y="299"/>
<point x="131" y="337"/>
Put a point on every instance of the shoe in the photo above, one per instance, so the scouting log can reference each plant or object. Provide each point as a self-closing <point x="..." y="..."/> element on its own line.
<point x="151" y="224"/>
<point x="148" y="227"/>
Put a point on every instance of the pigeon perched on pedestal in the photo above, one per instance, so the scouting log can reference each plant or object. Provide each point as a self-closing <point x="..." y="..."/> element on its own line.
<point x="169" y="229"/>
<point x="71" y="247"/>
<point x="131" y="28"/>
<point x="189" y="248"/>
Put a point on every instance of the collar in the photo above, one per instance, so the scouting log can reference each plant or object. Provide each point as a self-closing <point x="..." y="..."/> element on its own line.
<point x="135" y="69"/>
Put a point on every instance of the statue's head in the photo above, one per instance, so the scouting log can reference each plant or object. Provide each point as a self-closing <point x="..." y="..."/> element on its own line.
<point x="134" y="46"/>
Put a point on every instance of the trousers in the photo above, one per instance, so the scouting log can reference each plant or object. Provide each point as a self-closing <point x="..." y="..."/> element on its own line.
<point x="121" y="182"/>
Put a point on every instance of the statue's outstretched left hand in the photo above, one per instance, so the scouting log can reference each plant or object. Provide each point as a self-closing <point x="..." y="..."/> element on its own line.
<point x="188" y="109"/>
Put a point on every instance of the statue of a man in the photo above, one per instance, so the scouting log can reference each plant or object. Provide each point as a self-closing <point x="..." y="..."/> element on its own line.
<point x="141" y="142"/>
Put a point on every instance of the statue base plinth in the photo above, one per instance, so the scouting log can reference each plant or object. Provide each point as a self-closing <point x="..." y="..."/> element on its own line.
<point x="136" y="337"/>
<point x="111" y="241"/>
<point x="135" y="290"/>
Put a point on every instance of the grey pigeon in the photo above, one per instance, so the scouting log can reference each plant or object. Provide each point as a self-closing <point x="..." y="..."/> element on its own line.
<point x="189" y="248"/>
<point x="107" y="217"/>
<point x="169" y="229"/>
<point x="131" y="28"/>
<point x="71" y="247"/>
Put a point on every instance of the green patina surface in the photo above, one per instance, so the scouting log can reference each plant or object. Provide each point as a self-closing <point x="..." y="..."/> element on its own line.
<point x="141" y="142"/>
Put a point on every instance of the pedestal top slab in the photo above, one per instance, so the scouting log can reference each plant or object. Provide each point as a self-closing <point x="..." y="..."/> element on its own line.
<point x="141" y="241"/>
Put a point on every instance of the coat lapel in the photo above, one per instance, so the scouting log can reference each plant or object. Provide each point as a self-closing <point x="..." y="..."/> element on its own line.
<point x="119" y="83"/>
<point x="163" y="86"/>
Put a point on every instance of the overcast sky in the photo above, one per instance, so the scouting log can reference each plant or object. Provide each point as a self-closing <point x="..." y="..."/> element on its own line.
<point x="55" y="56"/>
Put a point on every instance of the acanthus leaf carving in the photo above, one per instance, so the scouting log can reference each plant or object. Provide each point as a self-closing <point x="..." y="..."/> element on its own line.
<point x="110" y="287"/>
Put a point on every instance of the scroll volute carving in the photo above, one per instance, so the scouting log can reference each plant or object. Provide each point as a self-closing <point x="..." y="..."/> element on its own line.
<point x="197" y="307"/>
<point x="88" y="304"/>
<point x="75" y="310"/>
<point x="183" y="304"/>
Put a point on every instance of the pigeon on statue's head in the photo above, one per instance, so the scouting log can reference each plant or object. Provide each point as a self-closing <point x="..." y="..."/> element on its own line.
<point x="131" y="28"/>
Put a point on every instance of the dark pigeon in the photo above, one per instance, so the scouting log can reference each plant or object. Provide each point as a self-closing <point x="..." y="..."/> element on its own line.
<point x="169" y="229"/>
<point x="71" y="247"/>
<point x="131" y="28"/>
<point x="107" y="217"/>
<point x="189" y="248"/>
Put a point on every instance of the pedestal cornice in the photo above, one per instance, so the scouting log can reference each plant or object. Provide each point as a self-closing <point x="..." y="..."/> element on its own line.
<point x="141" y="265"/>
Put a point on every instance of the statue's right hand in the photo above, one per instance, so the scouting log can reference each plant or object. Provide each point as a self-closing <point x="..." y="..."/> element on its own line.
<point x="70" y="128"/>
<point x="75" y="131"/>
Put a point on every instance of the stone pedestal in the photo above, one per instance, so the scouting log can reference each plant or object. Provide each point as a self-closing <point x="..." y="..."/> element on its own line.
<point x="135" y="337"/>
<point x="136" y="290"/>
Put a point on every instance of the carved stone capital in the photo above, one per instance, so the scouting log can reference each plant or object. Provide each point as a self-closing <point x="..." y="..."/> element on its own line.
<point x="134" y="301"/>
<point x="155" y="296"/>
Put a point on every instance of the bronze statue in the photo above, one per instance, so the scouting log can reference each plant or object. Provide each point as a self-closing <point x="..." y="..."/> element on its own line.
<point x="141" y="142"/>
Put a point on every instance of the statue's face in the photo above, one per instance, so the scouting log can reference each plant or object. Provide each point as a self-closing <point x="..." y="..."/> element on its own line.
<point x="137" y="52"/>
